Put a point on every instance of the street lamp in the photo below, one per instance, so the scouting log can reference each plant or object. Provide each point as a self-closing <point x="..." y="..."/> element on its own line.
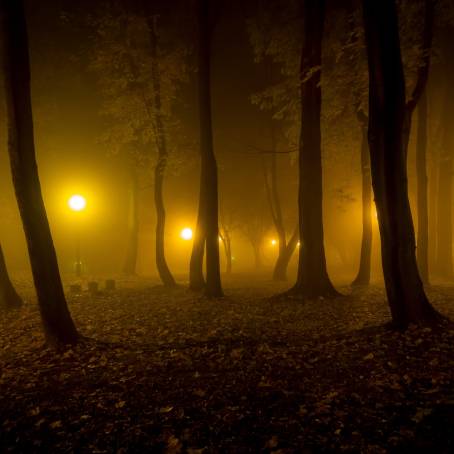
<point x="77" y="203"/>
<point x="186" y="234"/>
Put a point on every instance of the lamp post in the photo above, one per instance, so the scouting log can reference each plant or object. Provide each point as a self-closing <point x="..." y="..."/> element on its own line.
<point x="77" y="203"/>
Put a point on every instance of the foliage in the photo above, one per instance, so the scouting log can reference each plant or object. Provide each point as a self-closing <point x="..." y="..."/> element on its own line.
<point x="121" y="59"/>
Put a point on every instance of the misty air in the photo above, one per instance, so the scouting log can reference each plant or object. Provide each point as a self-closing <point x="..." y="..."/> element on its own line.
<point x="226" y="226"/>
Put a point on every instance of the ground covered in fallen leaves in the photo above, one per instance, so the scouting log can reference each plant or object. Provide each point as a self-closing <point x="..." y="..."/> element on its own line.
<point x="175" y="372"/>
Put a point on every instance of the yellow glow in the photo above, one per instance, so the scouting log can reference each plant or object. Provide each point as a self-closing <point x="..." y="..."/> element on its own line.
<point x="273" y="242"/>
<point x="186" y="234"/>
<point x="298" y="244"/>
<point x="77" y="202"/>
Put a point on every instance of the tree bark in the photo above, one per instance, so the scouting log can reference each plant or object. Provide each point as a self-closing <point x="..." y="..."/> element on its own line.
<point x="422" y="247"/>
<point x="130" y="265"/>
<point x="283" y="260"/>
<point x="9" y="299"/>
<point x="58" y="324"/>
<point x="163" y="155"/>
<point x="363" y="276"/>
<point x="208" y="203"/>
<point x="312" y="280"/>
<point x="196" y="278"/>
<point x="387" y="129"/>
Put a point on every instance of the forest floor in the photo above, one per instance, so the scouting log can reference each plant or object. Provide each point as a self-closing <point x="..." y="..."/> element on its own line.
<point x="175" y="372"/>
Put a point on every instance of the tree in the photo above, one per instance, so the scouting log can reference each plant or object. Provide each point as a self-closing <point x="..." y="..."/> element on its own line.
<point x="207" y="230"/>
<point x="312" y="280"/>
<point x="9" y="299"/>
<point x="286" y="248"/>
<point x="130" y="58"/>
<point x="130" y="264"/>
<point x="161" y="164"/>
<point x="228" y="223"/>
<point x="389" y="123"/>
<point x="363" y="276"/>
<point x="58" y="325"/>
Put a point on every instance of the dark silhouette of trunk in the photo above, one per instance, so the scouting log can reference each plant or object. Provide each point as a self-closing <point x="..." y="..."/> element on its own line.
<point x="422" y="246"/>
<point x="272" y="191"/>
<point x="58" y="324"/>
<point x="283" y="260"/>
<point x="313" y="280"/>
<point x="196" y="278"/>
<point x="130" y="264"/>
<point x="163" y="155"/>
<point x="9" y="299"/>
<point x="363" y="276"/>
<point x="207" y="220"/>
<point x="388" y="123"/>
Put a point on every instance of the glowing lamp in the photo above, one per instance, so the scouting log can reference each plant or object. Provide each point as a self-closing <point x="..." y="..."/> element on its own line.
<point x="186" y="234"/>
<point x="77" y="202"/>
<point x="273" y="242"/>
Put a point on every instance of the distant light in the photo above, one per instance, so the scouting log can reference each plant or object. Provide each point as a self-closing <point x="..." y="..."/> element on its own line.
<point x="220" y="238"/>
<point x="273" y="242"/>
<point x="298" y="244"/>
<point x="186" y="234"/>
<point x="77" y="202"/>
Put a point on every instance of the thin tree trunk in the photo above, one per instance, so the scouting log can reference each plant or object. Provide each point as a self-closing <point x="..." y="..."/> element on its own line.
<point x="130" y="265"/>
<point x="9" y="299"/>
<point x="313" y="280"/>
<point x="208" y="203"/>
<point x="163" y="155"/>
<point x="58" y="324"/>
<point x="282" y="262"/>
<point x="388" y="120"/>
<point x="363" y="276"/>
<point x="422" y="247"/>
<point x="196" y="278"/>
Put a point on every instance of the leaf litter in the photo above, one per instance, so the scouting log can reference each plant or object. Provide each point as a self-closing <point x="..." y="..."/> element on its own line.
<point x="175" y="372"/>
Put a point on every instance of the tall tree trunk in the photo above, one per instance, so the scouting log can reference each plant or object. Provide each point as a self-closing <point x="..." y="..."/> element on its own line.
<point x="283" y="260"/>
<point x="363" y="276"/>
<point x="196" y="278"/>
<point x="208" y="204"/>
<point x="9" y="299"/>
<point x="422" y="247"/>
<point x="130" y="264"/>
<point x="388" y="118"/>
<point x="313" y="280"/>
<point x="274" y="201"/>
<point x="163" y="155"/>
<point x="58" y="324"/>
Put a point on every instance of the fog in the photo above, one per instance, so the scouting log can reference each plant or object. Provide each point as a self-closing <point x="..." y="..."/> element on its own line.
<point x="117" y="95"/>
